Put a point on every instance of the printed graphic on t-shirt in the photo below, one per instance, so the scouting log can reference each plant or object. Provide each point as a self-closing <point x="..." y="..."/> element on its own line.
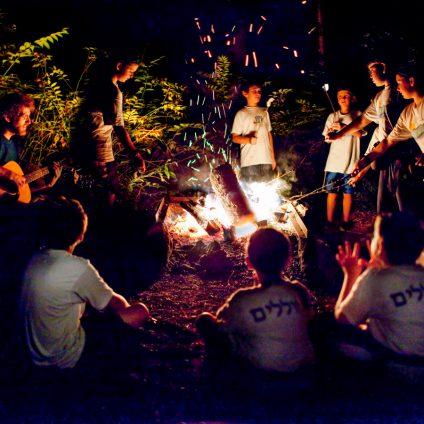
<point x="258" y="119"/>
<point x="414" y="293"/>
<point x="273" y="309"/>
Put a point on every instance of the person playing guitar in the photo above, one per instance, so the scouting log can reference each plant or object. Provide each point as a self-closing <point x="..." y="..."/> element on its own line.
<point x="15" y="118"/>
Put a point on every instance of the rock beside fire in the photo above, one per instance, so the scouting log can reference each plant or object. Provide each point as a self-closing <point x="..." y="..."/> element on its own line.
<point x="215" y="263"/>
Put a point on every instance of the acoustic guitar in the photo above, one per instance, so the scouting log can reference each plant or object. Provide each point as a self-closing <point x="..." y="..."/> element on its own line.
<point x="22" y="193"/>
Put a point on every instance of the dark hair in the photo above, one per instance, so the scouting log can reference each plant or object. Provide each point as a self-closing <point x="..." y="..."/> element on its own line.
<point x="414" y="70"/>
<point x="403" y="237"/>
<point x="380" y="65"/>
<point x="61" y="222"/>
<point x="11" y="104"/>
<point x="268" y="250"/>
<point x="245" y="85"/>
<point x="105" y="64"/>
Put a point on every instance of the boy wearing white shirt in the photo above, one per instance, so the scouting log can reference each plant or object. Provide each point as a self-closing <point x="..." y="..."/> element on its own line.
<point x="252" y="130"/>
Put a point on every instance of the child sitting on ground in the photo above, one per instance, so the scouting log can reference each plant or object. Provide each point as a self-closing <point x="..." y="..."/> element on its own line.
<point x="267" y="324"/>
<point x="57" y="288"/>
<point x="386" y="293"/>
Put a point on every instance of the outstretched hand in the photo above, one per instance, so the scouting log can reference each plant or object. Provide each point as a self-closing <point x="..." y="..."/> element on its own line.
<point x="349" y="259"/>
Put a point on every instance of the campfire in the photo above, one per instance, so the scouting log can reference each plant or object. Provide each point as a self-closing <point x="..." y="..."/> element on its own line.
<point x="233" y="209"/>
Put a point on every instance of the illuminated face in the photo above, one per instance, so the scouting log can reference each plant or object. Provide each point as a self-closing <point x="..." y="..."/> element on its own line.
<point x="344" y="98"/>
<point x="404" y="87"/>
<point x="376" y="75"/>
<point x="19" y="123"/>
<point x="253" y="95"/>
<point x="126" y="72"/>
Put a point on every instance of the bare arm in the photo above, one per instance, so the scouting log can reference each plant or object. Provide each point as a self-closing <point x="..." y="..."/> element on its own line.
<point x="355" y="178"/>
<point x="271" y="148"/>
<point x="352" y="266"/>
<point x="354" y="128"/>
<point x="375" y="153"/>
<point x="245" y="139"/>
<point x="134" y="315"/>
<point x="124" y="137"/>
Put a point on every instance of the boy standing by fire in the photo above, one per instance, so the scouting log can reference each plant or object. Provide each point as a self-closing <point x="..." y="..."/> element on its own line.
<point x="343" y="155"/>
<point x="252" y="130"/>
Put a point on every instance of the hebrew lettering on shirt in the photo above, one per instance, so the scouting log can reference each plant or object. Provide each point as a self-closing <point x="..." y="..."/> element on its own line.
<point x="272" y="305"/>
<point x="258" y="314"/>
<point x="261" y="313"/>
<point x="401" y="298"/>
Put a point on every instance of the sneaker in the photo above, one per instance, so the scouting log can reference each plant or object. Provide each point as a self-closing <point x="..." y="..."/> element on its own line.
<point x="346" y="226"/>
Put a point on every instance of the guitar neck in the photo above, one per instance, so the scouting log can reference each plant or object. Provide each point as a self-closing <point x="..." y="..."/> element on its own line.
<point x="32" y="176"/>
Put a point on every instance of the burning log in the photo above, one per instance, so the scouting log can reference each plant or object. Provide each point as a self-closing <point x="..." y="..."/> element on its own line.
<point x="210" y="226"/>
<point x="227" y="188"/>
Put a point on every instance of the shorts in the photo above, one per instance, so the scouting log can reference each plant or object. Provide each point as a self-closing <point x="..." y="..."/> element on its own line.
<point x="336" y="182"/>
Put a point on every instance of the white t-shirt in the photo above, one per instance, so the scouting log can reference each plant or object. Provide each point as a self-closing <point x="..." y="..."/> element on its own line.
<point x="377" y="112"/>
<point x="248" y="120"/>
<point x="410" y="124"/>
<point x="391" y="300"/>
<point x="345" y="152"/>
<point x="56" y="288"/>
<point x="268" y="327"/>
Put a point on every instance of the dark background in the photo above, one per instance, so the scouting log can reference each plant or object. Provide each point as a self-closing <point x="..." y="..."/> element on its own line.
<point x="353" y="32"/>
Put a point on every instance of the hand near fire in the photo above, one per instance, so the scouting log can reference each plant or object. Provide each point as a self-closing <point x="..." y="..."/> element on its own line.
<point x="356" y="176"/>
<point x="360" y="166"/>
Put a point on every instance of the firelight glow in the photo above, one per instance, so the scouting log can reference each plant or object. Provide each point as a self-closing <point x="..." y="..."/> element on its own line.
<point x="264" y="199"/>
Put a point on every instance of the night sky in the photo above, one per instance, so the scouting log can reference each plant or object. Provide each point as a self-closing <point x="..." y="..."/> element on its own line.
<point x="353" y="32"/>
